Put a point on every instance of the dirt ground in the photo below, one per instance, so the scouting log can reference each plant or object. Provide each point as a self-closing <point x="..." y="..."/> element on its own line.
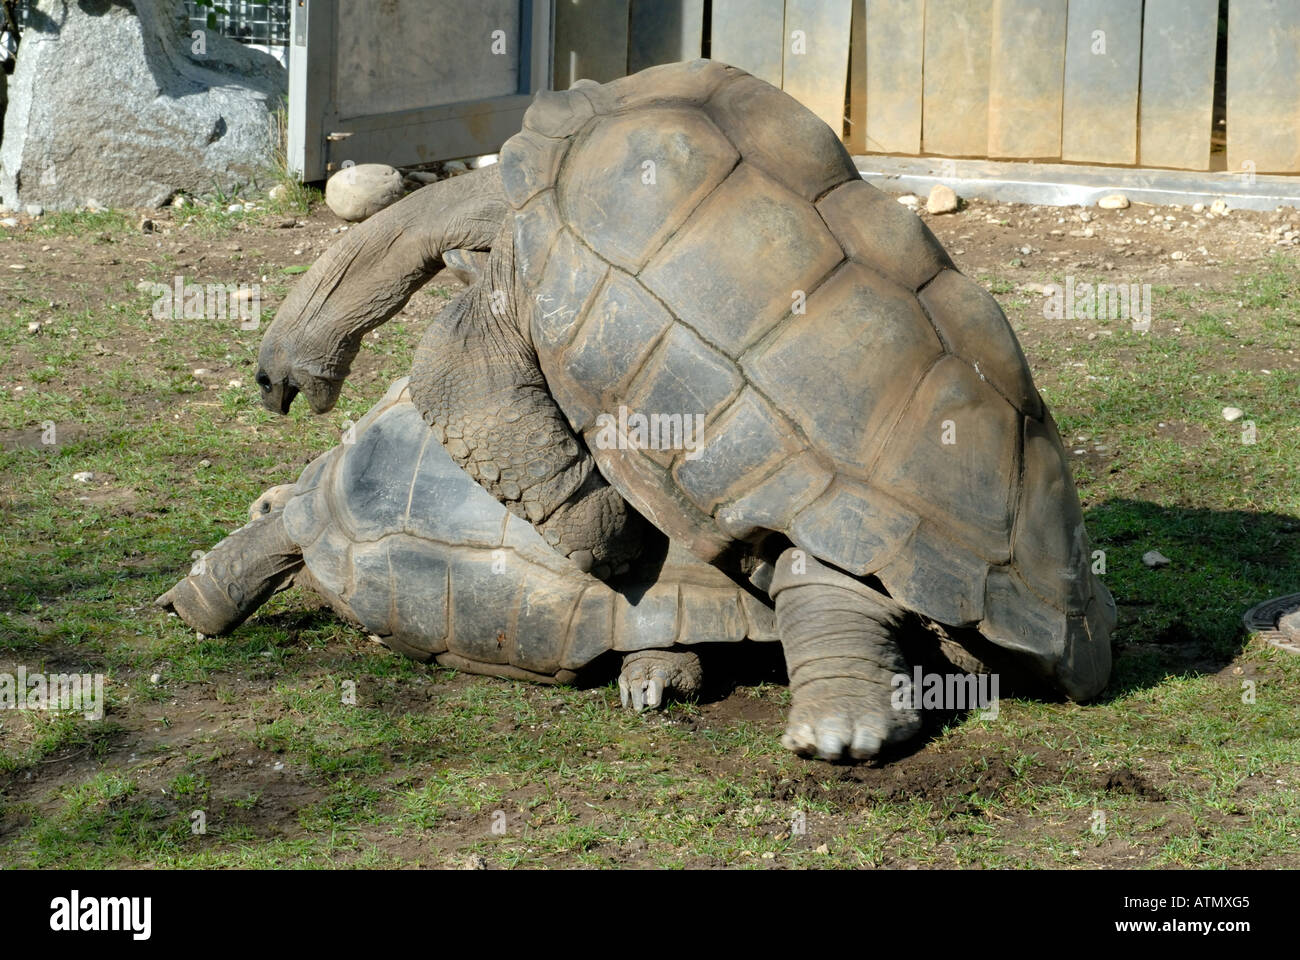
<point x="948" y="786"/>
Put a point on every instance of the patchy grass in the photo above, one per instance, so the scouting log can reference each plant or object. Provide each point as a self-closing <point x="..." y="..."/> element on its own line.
<point x="1189" y="759"/>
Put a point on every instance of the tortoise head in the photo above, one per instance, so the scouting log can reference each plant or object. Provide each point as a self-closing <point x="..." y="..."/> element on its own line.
<point x="282" y="375"/>
<point x="308" y="358"/>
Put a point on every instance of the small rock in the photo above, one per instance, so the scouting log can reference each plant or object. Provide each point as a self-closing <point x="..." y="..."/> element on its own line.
<point x="34" y="210"/>
<point x="1219" y="207"/>
<point x="1177" y="255"/>
<point x="1085" y="216"/>
<point x="9" y="222"/>
<point x="235" y="384"/>
<point x="278" y="192"/>
<point x="909" y="200"/>
<point x="942" y="199"/>
<point x="85" y="476"/>
<point x="1232" y="413"/>
<point x="235" y="208"/>
<point x="455" y="168"/>
<point x="205" y="462"/>
<point x="1198" y="208"/>
<point x="475" y="862"/>
<point x="1289" y="626"/>
<point x="155" y="679"/>
<point x="1155" y="559"/>
<point x="179" y="202"/>
<point x="279" y="766"/>
<point x="1113" y="201"/>
<point x="201" y="371"/>
<point x="422" y="176"/>
<point x="287" y="224"/>
<point x="34" y="327"/>
<point x="823" y="849"/>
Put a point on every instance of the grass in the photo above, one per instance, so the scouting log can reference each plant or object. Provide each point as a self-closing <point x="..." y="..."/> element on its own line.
<point x="429" y="767"/>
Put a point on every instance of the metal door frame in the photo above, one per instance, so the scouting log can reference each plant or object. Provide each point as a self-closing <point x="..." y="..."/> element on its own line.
<point x="320" y="141"/>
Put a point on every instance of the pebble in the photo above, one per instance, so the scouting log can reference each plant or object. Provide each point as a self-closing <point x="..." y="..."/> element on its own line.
<point x="1198" y="208"/>
<point x="155" y="679"/>
<point x="235" y="208"/>
<point x="205" y="462"/>
<point x="34" y="327"/>
<point x="85" y="476"/>
<point x="1177" y="255"/>
<point x="1113" y="201"/>
<point x="201" y="371"/>
<point x="1219" y="207"/>
<point x="1155" y="559"/>
<point x="9" y="222"/>
<point x="1232" y="413"/>
<point x="34" y="210"/>
<point x="909" y="200"/>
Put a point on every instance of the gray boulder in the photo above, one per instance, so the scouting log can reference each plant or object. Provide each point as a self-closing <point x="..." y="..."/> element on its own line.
<point x="115" y="101"/>
<point x="361" y="191"/>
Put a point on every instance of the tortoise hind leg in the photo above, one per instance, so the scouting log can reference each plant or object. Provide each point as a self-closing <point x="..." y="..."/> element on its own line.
<point x="236" y="577"/>
<point x="841" y="652"/>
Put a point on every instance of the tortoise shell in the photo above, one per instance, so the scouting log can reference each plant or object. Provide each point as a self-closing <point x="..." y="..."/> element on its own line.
<point x="396" y="535"/>
<point x="692" y="241"/>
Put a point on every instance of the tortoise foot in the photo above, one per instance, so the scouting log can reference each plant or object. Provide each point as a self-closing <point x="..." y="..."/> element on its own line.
<point x="650" y="675"/>
<point x="846" y="717"/>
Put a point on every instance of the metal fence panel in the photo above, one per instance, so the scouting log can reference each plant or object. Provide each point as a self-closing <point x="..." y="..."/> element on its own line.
<point x="664" y="31"/>
<point x="1264" y="86"/>
<point x="957" y="58"/>
<point x="857" y="121"/>
<point x="590" y="41"/>
<point x="1177" y="98"/>
<point x="750" y="34"/>
<point x="817" y="56"/>
<point x="1103" y="47"/>
<point x="1025" y="82"/>
<point x="895" y="54"/>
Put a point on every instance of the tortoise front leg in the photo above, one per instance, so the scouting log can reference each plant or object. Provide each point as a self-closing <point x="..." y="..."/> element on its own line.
<point x="477" y="383"/>
<point x="648" y="676"/>
<point x="235" y="577"/>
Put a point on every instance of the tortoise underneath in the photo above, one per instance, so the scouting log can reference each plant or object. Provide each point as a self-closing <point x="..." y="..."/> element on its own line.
<point x="399" y="540"/>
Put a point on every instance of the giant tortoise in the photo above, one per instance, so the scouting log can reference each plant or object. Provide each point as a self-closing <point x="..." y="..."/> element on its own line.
<point x="691" y="243"/>
<point x="398" y="539"/>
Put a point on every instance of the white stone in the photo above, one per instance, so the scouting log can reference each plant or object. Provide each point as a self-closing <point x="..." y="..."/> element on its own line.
<point x="1198" y="208"/>
<point x="85" y="476"/>
<point x="1232" y="413"/>
<point x="1113" y="201"/>
<point x="355" y="193"/>
<point x="1219" y="207"/>
<point x="908" y="200"/>
<point x="1155" y="559"/>
<point x="942" y="199"/>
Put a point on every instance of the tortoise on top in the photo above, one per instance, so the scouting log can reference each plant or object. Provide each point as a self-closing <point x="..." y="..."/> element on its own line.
<point x="690" y="245"/>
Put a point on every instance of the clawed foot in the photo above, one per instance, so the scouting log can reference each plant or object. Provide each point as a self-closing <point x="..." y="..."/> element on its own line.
<point x="649" y="675"/>
<point x="842" y="718"/>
